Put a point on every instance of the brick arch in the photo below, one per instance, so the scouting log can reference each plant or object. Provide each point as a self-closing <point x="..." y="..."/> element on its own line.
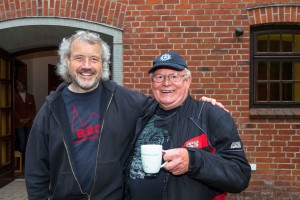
<point x="274" y="13"/>
<point x="106" y="12"/>
<point x="104" y="16"/>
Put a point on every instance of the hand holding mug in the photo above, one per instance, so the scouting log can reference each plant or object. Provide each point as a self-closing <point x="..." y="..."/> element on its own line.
<point x="178" y="161"/>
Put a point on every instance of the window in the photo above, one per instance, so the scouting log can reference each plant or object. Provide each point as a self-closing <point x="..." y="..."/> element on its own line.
<point x="275" y="67"/>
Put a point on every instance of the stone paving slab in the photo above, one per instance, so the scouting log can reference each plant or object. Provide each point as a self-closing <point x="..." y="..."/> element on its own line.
<point x="14" y="191"/>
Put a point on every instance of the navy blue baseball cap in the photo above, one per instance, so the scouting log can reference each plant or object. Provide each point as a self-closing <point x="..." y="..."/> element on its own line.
<point x="170" y="60"/>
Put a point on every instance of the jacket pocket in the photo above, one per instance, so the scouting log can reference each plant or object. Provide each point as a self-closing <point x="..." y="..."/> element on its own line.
<point x="109" y="181"/>
<point x="66" y="188"/>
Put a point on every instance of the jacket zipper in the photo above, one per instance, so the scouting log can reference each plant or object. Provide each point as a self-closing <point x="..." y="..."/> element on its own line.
<point x="108" y="105"/>
<point x="69" y="157"/>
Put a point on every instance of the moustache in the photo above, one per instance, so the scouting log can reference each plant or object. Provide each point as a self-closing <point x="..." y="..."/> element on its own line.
<point x="84" y="70"/>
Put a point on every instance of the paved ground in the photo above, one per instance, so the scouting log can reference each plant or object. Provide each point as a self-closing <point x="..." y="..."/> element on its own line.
<point x="14" y="191"/>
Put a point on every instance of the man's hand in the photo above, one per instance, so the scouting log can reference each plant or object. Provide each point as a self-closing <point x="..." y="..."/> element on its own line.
<point x="178" y="161"/>
<point x="213" y="102"/>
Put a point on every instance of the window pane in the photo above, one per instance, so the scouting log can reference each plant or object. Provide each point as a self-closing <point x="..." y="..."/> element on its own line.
<point x="274" y="70"/>
<point x="274" y="92"/>
<point x="287" y="43"/>
<point x="4" y="97"/>
<point x="297" y="71"/>
<point x="297" y="43"/>
<point x="274" y="42"/>
<point x="262" y="71"/>
<point x="297" y="84"/>
<point x="287" y="71"/>
<point x="297" y="91"/>
<point x="4" y="70"/>
<point x="262" y="43"/>
<point x="5" y="123"/>
<point x="5" y="149"/>
<point x="262" y="92"/>
<point x="287" y="92"/>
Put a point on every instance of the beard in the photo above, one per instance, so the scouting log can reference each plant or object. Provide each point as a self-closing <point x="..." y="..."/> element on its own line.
<point x="87" y="84"/>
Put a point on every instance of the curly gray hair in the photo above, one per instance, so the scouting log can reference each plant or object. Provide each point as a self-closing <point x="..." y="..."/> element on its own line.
<point x="65" y="52"/>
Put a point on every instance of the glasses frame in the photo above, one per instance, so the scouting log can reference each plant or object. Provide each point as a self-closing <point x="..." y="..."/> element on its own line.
<point x="153" y="76"/>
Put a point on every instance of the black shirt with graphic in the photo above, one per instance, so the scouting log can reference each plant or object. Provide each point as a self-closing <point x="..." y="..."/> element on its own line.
<point x="83" y="111"/>
<point x="150" y="186"/>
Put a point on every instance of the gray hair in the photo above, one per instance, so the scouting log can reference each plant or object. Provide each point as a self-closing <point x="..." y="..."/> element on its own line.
<point x="65" y="52"/>
<point x="187" y="72"/>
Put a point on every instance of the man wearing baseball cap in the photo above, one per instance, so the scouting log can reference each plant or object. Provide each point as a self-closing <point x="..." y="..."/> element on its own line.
<point x="204" y="153"/>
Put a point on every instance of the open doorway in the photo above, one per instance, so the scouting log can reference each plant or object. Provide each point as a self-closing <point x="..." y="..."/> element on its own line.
<point x="37" y="72"/>
<point x="40" y="73"/>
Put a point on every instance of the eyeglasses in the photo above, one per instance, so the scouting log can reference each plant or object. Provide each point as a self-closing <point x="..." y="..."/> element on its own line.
<point x="82" y="59"/>
<point x="158" y="78"/>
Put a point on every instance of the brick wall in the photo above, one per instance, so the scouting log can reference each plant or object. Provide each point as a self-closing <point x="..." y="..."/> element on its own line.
<point x="203" y="32"/>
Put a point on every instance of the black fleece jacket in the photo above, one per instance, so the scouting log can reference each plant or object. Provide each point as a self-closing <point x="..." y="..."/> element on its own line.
<point x="217" y="160"/>
<point x="50" y="169"/>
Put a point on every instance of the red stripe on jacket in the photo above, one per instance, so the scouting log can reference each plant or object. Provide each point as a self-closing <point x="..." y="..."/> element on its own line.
<point x="201" y="142"/>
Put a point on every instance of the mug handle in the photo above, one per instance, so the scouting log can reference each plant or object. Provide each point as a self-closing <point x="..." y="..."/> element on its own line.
<point x="164" y="162"/>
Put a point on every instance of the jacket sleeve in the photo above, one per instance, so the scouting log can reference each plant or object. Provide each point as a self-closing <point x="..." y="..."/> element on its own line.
<point x="37" y="173"/>
<point x="227" y="168"/>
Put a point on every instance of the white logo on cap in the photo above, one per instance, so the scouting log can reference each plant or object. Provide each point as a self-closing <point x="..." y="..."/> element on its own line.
<point x="165" y="57"/>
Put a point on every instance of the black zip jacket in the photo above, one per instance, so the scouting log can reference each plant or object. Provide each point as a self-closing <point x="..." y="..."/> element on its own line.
<point x="50" y="160"/>
<point x="217" y="160"/>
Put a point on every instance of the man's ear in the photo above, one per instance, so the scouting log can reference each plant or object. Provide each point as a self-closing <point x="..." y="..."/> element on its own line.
<point x="189" y="79"/>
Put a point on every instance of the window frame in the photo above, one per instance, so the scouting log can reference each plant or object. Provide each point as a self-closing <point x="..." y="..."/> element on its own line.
<point x="273" y="56"/>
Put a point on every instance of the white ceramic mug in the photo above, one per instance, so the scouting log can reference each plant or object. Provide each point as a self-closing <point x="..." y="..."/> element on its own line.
<point x="151" y="155"/>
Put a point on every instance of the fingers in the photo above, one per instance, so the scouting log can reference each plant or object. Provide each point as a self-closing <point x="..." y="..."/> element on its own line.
<point x="213" y="102"/>
<point x="219" y="104"/>
<point x="178" y="161"/>
<point x="222" y="106"/>
<point x="210" y="100"/>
